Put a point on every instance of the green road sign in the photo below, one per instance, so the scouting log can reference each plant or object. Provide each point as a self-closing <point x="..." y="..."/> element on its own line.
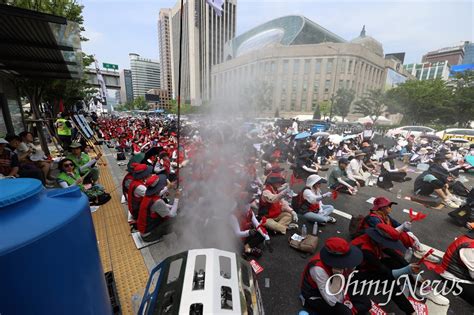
<point x="110" y="66"/>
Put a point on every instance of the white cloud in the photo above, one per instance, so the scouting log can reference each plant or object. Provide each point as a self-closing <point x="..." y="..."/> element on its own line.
<point x="93" y="36"/>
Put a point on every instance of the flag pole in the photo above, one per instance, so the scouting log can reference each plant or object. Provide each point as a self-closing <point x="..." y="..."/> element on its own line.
<point x="179" y="84"/>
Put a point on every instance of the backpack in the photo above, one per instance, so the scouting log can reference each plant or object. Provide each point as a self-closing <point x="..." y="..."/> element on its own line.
<point x="459" y="189"/>
<point x="298" y="201"/>
<point x="355" y="226"/>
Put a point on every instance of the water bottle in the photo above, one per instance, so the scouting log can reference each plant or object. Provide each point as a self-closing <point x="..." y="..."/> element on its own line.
<point x="399" y="194"/>
<point x="315" y="228"/>
<point x="304" y="231"/>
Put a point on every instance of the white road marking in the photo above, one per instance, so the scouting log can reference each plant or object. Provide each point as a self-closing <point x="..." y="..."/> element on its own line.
<point x="436" y="252"/>
<point x="408" y="211"/>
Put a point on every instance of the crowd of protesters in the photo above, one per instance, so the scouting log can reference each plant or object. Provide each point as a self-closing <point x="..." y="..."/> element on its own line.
<point x="262" y="183"/>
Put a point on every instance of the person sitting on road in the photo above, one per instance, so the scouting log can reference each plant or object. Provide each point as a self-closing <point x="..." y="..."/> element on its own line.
<point x="336" y="257"/>
<point x="247" y="227"/>
<point x="426" y="183"/>
<point x="458" y="265"/>
<point x="380" y="213"/>
<point x="27" y="168"/>
<point x="277" y="211"/>
<point x="137" y="189"/>
<point x="381" y="265"/>
<point x="389" y="173"/>
<point x="338" y="180"/>
<point x="312" y="206"/>
<point x="355" y="171"/>
<point x="156" y="217"/>
<point x="84" y="163"/>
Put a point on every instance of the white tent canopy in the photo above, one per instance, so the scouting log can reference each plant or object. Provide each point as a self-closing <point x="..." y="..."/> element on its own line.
<point x="381" y="120"/>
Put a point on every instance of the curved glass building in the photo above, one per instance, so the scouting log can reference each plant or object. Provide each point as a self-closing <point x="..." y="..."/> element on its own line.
<point x="291" y="64"/>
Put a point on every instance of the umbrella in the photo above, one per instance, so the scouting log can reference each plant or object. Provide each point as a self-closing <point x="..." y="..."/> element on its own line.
<point x="470" y="159"/>
<point x="321" y="134"/>
<point x="459" y="140"/>
<point x="302" y="135"/>
<point x="387" y="142"/>
<point x="348" y="137"/>
<point x="335" y="139"/>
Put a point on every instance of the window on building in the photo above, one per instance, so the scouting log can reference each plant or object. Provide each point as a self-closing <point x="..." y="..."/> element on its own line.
<point x="285" y="66"/>
<point x="432" y="73"/>
<point x="294" y="84"/>
<point x="273" y="67"/>
<point x="349" y="69"/>
<point x="314" y="103"/>
<point x="317" y="66"/>
<point x="293" y="105"/>
<point x="343" y="66"/>
<point x="327" y="84"/>
<point x="316" y="87"/>
<point x="305" y="86"/>
<point x="424" y="75"/>
<point x="341" y="84"/>
<point x="329" y="66"/>
<point x="293" y="96"/>
<point x="348" y="86"/>
<point x="284" y="84"/>
<point x="296" y="66"/>
<point x="306" y="66"/>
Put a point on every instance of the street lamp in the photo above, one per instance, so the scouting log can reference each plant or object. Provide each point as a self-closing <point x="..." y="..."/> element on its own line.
<point x="335" y="77"/>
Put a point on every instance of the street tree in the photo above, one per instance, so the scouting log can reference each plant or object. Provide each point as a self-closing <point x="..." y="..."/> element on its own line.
<point x="422" y="102"/>
<point x="343" y="101"/>
<point x="372" y="104"/>
<point x="325" y="108"/>
<point x="463" y="98"/>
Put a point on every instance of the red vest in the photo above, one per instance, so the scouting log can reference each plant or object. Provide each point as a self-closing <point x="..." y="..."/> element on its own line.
<point x="147" y="219"/>
<point x="404" y="236"/>
<point x="308" y="286"/>
<point x="270" y="210"/>
<point x="365" y="243"/>
<point x="134" y="202"/>
<point x="452" y="260"/>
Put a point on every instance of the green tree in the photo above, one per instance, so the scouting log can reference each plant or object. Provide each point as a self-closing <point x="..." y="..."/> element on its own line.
<point x="422" y="102"/>
<point x="343" y="101"/>
<point x="317" y="112"/>
<point x="372" y="104"/>
<point x="463" y="98"/>
<point x="140" y="103"/>
<point x="325" y="108"/>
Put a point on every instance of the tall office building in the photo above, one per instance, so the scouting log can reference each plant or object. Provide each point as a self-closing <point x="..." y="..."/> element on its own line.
<point x="126" y="87"/>
<point x="164" y="41"/>
<point x="468" y="53"/>
<point x="145" y="74"/>
<point x="204" y="37"/>
<point x="454" y="55"/>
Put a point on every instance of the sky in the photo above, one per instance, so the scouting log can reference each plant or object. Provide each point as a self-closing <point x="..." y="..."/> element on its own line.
<point x="117" y="27"/>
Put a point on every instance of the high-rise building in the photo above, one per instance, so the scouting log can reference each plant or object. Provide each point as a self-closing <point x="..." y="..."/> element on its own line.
<point x="164" y="41"/>
<point x="145" y="74"/>
<point x="126" y="86"/>
<point x="454" y="55"/>
<point x="204" y="37"/>
<point x="429" y="70"/>
<point x="468" y="53"/>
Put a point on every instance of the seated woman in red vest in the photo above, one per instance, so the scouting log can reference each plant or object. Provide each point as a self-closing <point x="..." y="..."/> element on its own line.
<point x="156" y="217"/>
<point x="312" y="206"/>
<point x="380" y="213"/>
<point x="377" y="265"/>
<point x="137" y="189"/>
<point x="278" y="212"/>
<point x="325" y="272"/>
<point x="247" y="227"/>
<point x="458" y="265"/>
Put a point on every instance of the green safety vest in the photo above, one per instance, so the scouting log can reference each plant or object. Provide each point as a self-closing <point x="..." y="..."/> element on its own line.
<point x="63" y="129"/>
<point x="82" y="160"/>
<point x="70" y="180"/>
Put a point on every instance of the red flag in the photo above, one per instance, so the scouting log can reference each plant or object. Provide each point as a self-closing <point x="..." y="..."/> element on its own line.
<point x="416" y="217"/>
<point x="61" y="105"/>
<point x="334" y="195"/>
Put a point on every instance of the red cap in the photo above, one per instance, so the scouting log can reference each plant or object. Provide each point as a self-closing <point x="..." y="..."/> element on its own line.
<point x="152" y="181"/>
<point x="337" y="246"/>
<point x="139" y="167"/>
<point x="381" y="202"/>
<point x="388" y="231"/>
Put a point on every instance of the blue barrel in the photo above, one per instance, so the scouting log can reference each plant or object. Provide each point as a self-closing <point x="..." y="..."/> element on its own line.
<point x="49" y="260"/>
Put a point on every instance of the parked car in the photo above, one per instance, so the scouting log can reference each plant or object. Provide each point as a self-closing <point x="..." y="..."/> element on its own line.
<point x="410" y="130"/>
<point x="459" y="133"/>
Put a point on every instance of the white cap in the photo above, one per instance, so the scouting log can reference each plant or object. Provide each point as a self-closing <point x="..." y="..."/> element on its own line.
<point x="3" y="141"/>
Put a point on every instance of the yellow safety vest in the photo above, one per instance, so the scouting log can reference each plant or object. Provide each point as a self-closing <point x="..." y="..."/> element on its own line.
<point x="63" y="129"/>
